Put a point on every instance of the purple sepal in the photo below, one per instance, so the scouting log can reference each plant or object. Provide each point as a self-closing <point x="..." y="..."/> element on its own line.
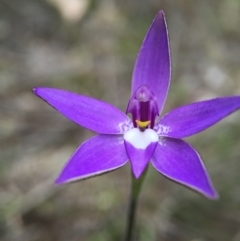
<point x="190" y="119"/>
<point x="178" y="161"/>
<point x="152" y="67"/>
<point x="90" y="113"/>
<point x="100" y="154"/>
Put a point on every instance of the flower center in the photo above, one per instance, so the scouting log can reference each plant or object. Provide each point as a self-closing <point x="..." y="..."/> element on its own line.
<point x="143" y="107"/>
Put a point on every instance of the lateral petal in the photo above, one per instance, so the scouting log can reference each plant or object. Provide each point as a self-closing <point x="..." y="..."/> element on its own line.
<point x="152" y="67"/>
<point x="180" y="162"/>
<point x="140" y="147"/>
<point x="90" y="113"/>
<point x="100" y="154"/>
<point x="190" y="119"/>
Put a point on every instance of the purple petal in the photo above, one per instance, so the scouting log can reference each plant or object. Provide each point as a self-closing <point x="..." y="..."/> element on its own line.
<point x="190" y="119"/>
<point x="152" y="67"/>
<point x="101" y="153"/>
<point x="90" y="113"/>
<point x="179" y="162"/>
<point x="140" y="147"/>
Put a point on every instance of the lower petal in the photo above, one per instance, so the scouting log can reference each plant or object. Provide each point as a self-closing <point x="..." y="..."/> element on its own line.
<point x="100" y="154"/>
<point x="179" y="162"/>
<point x="140" y="146"/>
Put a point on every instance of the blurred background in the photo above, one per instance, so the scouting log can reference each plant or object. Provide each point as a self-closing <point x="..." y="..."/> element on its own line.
<point x="89" y="47"/>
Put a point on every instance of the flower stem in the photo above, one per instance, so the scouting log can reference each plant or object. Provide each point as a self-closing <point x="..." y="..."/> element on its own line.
<point x="133" y="200"/>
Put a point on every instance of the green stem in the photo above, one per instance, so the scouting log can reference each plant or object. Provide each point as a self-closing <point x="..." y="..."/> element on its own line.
<point x="134" y="195"/>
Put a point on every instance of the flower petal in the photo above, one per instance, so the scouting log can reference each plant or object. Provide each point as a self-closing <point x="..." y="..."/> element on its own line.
<point x="101" y="153"/>
<point x="90" y="113"/>
<point x="152" y="67"/>
<point x="190" y="119"/>
<point x="140" y="146"/>
<point x="178" y="161"/>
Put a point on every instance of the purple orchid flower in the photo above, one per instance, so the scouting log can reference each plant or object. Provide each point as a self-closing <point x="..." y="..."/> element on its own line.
<point x="146" y="138"/>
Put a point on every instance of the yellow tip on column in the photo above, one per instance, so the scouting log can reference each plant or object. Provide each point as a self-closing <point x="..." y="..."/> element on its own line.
<point x="143" y="124"/>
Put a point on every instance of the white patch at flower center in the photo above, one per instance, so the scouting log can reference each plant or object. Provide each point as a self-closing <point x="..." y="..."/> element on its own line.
<point x="140" y="139"/>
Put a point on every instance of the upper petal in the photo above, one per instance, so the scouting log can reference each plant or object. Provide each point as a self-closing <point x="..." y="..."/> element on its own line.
<point x="178" y="161"/>
<point x="101" y="153"/>
<point x="190" y="119"/>
<point x="90" y="113"/>
<point x="152" y="67"/>
<point x="140" y="146"/>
